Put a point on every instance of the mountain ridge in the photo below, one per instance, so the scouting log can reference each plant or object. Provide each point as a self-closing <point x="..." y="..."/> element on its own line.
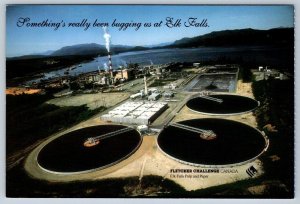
<point x="247" y="36"/>
<point x="236" y="37"/>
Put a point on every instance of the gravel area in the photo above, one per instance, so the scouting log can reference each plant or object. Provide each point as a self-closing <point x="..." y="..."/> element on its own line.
<point x="92" y="101"/>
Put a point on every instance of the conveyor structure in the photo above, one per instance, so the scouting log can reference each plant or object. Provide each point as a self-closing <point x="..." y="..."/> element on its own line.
<point x="204" y="134"/>
<point x="92" y="141"/>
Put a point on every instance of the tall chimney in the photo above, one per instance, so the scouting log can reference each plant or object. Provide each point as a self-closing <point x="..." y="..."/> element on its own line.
<point x="145" y="81"/>
<point x="122" y="72"/>
<point x="110" y="65"/>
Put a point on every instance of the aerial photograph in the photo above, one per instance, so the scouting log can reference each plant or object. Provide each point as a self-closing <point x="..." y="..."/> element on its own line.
<point x="149" y="101"/>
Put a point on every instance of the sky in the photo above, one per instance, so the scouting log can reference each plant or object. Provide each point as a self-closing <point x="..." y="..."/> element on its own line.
<point x="23" y="38"/>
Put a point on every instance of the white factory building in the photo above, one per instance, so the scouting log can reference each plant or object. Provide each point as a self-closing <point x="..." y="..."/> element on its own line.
<point x="140" y="113"/>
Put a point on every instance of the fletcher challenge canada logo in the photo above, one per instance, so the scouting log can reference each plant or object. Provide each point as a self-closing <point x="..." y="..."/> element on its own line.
<point x="251" y="171"/>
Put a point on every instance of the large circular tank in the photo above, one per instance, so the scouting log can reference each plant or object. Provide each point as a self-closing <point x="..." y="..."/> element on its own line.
<point x="226" y="104"/>
<point x="70" y="153"/>
<point x="234" y="143"/>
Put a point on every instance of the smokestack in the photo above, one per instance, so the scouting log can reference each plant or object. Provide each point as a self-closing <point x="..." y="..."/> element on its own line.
<point x="110" y="65"/>
<point x="145" y="81"/>
<point x="122" y="73"/>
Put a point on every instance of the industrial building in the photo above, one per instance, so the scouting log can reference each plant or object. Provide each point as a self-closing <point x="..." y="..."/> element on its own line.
<point x="141" y="113"/>
<point x="170" y="86"/>
<point x="154" y="96"/>
<point x="127" y="74"/>
<point x="90" y="77"/>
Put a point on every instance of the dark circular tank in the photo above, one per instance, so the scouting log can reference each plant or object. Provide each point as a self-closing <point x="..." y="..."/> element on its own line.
<point x="67" y="153"/>
<point x="232" y="104"/>
<point x="235" y="143"/>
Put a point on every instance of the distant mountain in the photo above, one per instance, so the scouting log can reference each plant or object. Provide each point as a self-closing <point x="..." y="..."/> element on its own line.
<point x="240" y="37"/>
<point x="94" y="49"/>
<point x="34" y="55"/>
<point x="159" y="45"/>
<point x="80" y="49"/>
<point x="49" y="52"/>
<point x="24" y="57"/>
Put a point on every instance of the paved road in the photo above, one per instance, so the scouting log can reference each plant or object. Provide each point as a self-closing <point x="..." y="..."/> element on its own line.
<point x="167" y="119"/>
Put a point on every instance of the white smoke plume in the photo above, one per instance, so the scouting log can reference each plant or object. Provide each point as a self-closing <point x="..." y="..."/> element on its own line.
<point x="105" y="67"/>
<point x="107" y="39"/>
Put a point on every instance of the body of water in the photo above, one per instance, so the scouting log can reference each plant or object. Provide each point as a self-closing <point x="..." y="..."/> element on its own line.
<point x="261" y="55"/>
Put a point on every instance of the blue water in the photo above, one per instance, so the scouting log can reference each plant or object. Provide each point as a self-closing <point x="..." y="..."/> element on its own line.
<point x="264" y="55"/>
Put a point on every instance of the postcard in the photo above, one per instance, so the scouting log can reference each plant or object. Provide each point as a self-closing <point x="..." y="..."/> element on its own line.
<point x="149" y="101"/>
